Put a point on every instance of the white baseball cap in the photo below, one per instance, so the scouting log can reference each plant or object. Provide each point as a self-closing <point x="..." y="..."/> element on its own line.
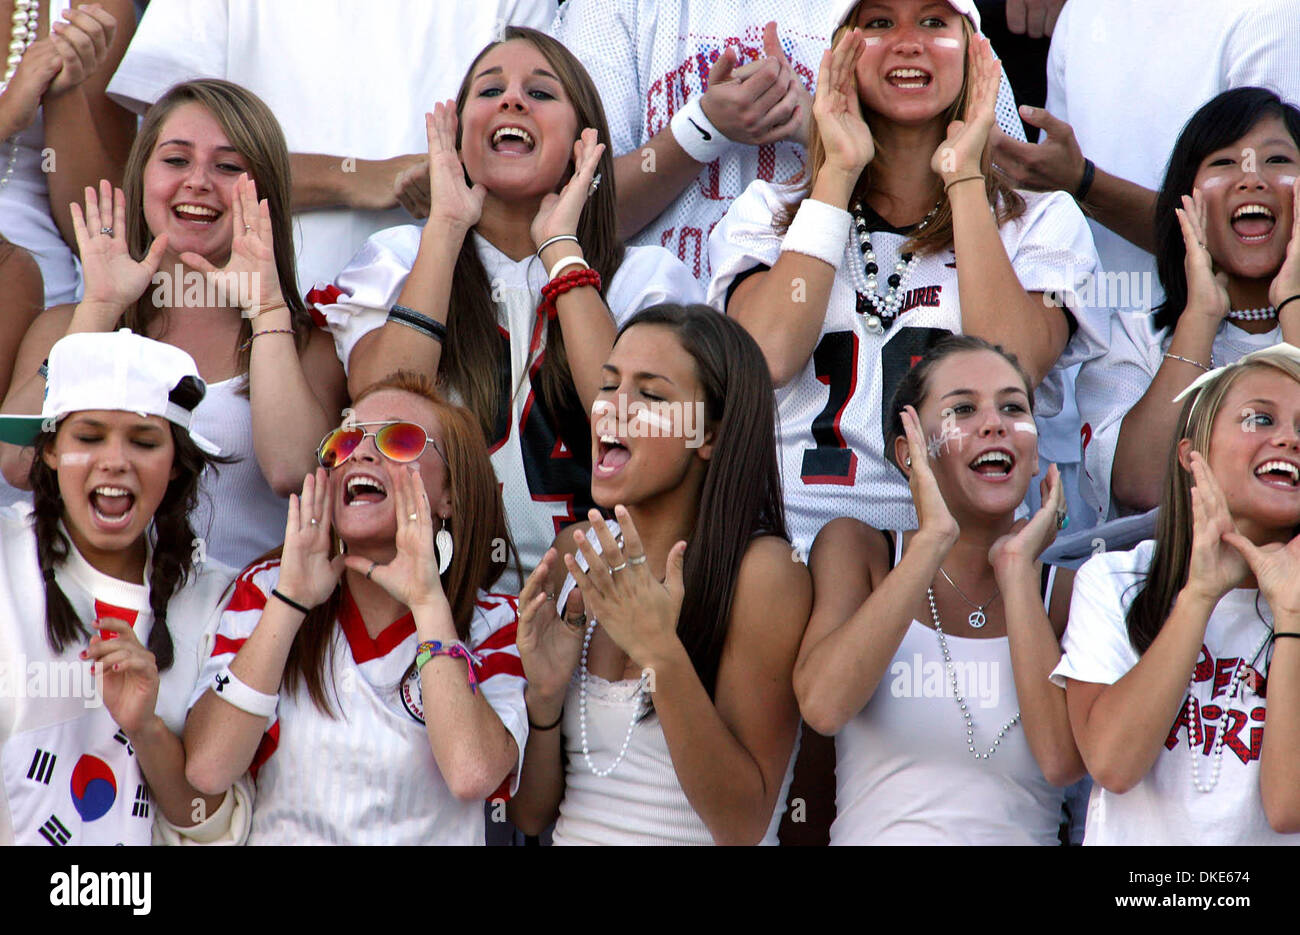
<point x="119" y="371"/>
<point x="966" y="8"/>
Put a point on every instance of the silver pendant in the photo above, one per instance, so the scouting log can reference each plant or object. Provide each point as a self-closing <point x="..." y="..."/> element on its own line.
<point x="874" y="325"/>
<point x="976" y="619"/>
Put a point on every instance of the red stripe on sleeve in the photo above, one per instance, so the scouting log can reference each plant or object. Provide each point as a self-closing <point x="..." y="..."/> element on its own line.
<point x="225" y="644"/>
<point x="270" y="740"/>
<point x="501" y="639"/>
<point x="499" y="664"/>
<point x="246" y="597"/>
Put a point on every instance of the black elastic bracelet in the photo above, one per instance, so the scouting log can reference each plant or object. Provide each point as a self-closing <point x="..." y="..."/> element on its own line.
<point x="1281" y="305"/>
<point x="548" y="726"/>
<point x="1089" y="170"/>
<point x="429" y="327"/>
<point x="1294" y="636"/>
<point x="292" y="603"/>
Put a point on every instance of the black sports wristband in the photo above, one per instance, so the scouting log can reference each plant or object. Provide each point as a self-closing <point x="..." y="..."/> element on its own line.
<point x="1294" y="636"/>
<point x="1085" y="185"/>
<point x="292" y="603"/>
<point x="1283" y="304"/>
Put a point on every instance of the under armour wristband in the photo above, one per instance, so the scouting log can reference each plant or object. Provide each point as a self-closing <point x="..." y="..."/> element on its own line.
<point x="694" y="133"/>
<point x="818" y="230"/>
<point x="244" y="697"/>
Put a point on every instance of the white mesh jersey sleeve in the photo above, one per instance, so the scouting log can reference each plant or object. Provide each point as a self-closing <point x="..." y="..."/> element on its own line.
<point x="1096" y="647"/>
<point x="649" y="276"/>
<point x="173" y="42"/>
<point x="745" y="237"/>
<point x="368" y="286"/>
<point x="603" y="34"/>
<point x="493" y="631"/>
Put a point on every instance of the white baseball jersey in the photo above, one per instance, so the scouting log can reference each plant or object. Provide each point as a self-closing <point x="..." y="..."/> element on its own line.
<point x="70" y="774"/>
<point x="367" y="776"/>
<point x="542" y="459"/>
<point x="833" y="416"/>
<point x="1109" y="386"/>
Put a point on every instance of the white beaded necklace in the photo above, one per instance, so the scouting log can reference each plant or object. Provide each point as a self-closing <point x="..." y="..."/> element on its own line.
<point x="582" y="710"/>
<point x="886" y="307"/>
<point x="1252" y="314"/>
<point x="961" y="702"/>
<point x="22" y="33"/>
<point x="1194" y="714"/>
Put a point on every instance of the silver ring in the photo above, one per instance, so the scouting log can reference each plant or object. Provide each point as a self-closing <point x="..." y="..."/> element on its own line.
<point x="595" y="184"/>
<point x="106" y="230"/>
<point x="617" y="568"/>
<point x="637" y="560"/>
<point x="577" y="623"/>
<point x="313" y="521"/>
<point x="413" y="517"/>
<point x="370" y="570"/>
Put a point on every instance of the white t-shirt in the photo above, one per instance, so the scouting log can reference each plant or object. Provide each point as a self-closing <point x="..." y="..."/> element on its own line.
<point x="1127" y="119"/>
<point x="1109" y="386"/>
<point x="904" y="773"/>
<point x="367" y="776"/>
<point x="1164" y="808"/>
<point x="70" y="775"/>
<point x="832" y="416"/>
<point x="546" y="486"/>
<point x="343" y="78"/>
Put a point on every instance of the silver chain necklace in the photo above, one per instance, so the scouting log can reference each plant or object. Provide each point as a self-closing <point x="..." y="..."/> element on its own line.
<point x="976" y="618"/>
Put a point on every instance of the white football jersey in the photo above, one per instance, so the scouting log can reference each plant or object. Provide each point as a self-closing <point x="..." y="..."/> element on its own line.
<point x="545" y="479"/>
<point x="70" y="776"/>
<point x="833" y="417"/>
<point x="368" y="775"/>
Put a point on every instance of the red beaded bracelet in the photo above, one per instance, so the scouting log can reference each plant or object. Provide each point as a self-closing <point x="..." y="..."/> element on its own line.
<point x="562" y="284"/>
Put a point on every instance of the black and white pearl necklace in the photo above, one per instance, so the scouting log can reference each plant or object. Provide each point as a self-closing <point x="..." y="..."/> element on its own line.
<point x="22" y="33"/>
<point x="961" y="702"/>
<point x="885" y="307"/>
<point x="1252" y="314"/>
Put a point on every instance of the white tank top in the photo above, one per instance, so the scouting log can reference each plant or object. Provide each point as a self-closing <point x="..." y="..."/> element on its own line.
<point x="239" y="516"/>
<point x="903" y="770"/>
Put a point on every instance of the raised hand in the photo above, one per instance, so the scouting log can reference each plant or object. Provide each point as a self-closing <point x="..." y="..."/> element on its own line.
<point x="250" y="271"/>
<point x="83" y="43"/>
<point x="22" y="96"/>
<point x="1207" y="291"/>
<point x="1216" y="567"/>
<point x="761" y="102"/>
<point x="128" y="674"/>
<point x="1055" y="164"/>
<point x="638" y="611"/>
<point x="962" y="152"/>
<point x="559" y="214"/>
<point x="1028" y="538"/>
<point x="844" y="133"/>
<point x="1287" y="281"/>
<point x="308" y="573"/>
<point x="1277" y="571"/>
<point x="932" y="513"/>
<point x="452" y="203"/>
<point x="412" y="576"/>
<point x="549" y="644"/>
<point x="411" y="188"/>
<point x="113" y="280"/>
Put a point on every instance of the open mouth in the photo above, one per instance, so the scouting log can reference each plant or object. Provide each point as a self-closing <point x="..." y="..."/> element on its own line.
<point x="514" y="140"/>
<point x="908" y="78"/>
<point x="1253" y="223"/>
<point x="198" y="214"/>
<point x="993" y="464"/>
<point x="362" y="489"/>
<point x="1279" y="474"/>
<point x="611" y="456"/>
<point x="112" y="507"/>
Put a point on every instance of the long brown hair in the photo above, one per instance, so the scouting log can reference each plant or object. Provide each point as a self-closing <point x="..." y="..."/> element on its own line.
<point x="1171" y="559"/>
<point x="482" y="548"/>
<point x="470" y="362"/>
<point x="937" y="235"/>
<point x="253" y="130"/>
<point x="741" y="496"/>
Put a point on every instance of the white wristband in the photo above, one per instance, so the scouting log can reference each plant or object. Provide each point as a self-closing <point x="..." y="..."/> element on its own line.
<point x="570" y="260"/>
<point x="231" y="690"/>
<point x="694" y="133"/>
<point x="819" y="230"/>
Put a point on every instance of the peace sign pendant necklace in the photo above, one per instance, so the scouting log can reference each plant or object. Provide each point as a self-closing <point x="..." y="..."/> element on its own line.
<point x="977" y="619"/>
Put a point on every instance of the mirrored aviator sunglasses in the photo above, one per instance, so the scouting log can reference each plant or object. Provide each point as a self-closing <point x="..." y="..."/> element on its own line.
<point x="402" y="442"/>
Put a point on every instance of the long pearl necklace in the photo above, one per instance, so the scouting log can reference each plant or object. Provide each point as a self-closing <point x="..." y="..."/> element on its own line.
<point x="582" y="710"/>
<point x="1252" y="314"/>
<point x="885" y="308"/>
<point x="1194" y="716"/>
<point x="22" y="33"/>
<point x="961" y="702"/>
